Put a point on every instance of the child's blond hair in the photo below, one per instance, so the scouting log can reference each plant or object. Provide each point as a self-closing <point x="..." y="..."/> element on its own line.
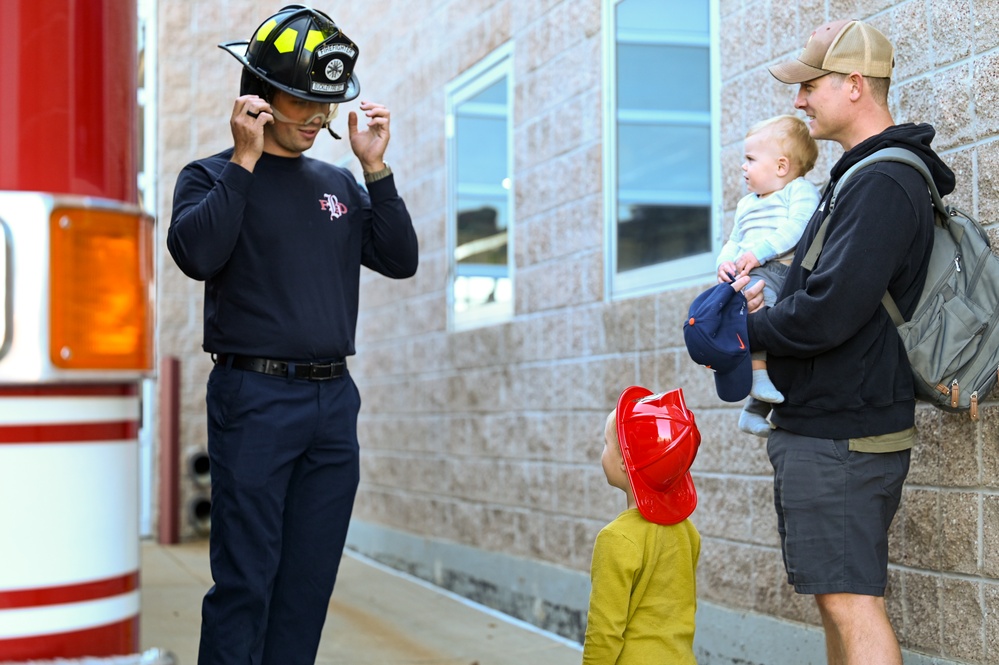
<point x="610" y="429"/>
<point x="791" y="134"/>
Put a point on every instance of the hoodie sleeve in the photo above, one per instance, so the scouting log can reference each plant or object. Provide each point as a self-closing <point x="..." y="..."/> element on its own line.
<point x="868" y="242"/>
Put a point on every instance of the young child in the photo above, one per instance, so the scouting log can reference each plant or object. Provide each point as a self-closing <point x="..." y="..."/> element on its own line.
<point x="643" y="597"/>
<point x="768" y="225"/>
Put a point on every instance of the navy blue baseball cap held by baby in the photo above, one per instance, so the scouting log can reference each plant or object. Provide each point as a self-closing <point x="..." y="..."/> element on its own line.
<point x="716" y="337"/>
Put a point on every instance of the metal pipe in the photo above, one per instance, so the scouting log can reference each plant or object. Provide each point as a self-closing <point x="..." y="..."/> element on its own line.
<point x="169" y="494"/>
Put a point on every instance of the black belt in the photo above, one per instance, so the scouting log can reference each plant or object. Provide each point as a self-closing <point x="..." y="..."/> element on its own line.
<point x="305" y="370"/>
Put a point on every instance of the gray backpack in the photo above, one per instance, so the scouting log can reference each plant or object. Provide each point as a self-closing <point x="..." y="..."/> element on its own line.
<point x="951" y="339"/>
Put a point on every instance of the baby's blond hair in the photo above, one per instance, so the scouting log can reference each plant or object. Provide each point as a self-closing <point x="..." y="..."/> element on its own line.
<point x="791" y="134"/>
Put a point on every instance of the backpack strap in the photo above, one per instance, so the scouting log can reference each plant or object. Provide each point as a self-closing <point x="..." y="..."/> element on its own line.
<point x="901" y="155"/>
<point x="814" y="249"/>
<point x="889" y="304"/>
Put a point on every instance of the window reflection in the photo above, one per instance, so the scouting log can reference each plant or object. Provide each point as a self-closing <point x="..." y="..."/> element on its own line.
<point x="651" y="234"/>
<point x="481" y="288"/>
<point x="663" y="131"/>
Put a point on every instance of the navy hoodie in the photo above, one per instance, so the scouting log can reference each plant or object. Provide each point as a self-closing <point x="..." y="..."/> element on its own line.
<point x="280" y="251"/>
<point x="832" y="349"/>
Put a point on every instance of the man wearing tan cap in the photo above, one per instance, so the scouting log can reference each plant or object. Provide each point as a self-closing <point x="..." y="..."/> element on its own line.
<point x="842" y="438"/>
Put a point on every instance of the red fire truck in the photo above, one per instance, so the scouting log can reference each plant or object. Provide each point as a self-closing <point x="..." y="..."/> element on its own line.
<point x="76" y="329"/>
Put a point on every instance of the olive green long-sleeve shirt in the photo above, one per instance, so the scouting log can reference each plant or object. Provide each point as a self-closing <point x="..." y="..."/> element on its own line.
<point x="643" y="594"/>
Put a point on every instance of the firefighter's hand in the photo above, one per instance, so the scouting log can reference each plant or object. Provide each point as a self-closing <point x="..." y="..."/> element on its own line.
<point x="369" y="144"/>
<point x="249" y="115"/>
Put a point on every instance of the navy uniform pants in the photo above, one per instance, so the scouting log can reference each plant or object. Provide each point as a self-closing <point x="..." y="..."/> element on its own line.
<point x="284" y="467"/>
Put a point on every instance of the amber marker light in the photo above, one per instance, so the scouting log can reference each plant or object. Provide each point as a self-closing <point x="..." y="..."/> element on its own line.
<point x="101" y="285"/>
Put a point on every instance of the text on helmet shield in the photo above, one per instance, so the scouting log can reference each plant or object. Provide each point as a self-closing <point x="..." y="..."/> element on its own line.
<point x="346" y="49"/>
<point x="327" y="88"/>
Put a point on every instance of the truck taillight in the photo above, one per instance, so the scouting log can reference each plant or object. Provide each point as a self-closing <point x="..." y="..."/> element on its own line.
<point x="101" y="277"/>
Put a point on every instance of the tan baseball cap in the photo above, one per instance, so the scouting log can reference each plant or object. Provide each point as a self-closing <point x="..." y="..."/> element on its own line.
<point x="841" y="46"/>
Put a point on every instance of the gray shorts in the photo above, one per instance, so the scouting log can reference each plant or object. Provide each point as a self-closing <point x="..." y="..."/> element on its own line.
<point x="773" y="274"/>
<point x="834" y="507"/>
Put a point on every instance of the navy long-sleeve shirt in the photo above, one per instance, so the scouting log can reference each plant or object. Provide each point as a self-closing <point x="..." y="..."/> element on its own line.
<point x="280" y="251"/>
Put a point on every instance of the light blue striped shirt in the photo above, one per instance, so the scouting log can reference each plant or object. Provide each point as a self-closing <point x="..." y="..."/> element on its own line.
<point x="771" y="227"/>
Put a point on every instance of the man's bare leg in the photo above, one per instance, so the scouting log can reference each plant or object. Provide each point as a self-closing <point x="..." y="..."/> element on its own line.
<point x="834" y="641"/>
<point x="858" y="630"/>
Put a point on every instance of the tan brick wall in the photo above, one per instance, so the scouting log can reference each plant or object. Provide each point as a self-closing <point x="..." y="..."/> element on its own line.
<point x="491" y="437"/>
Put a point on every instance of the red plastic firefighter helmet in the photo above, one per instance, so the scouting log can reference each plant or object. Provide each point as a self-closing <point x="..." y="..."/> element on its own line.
<point x="659" y="440"/>
<point x="301" y="51"/>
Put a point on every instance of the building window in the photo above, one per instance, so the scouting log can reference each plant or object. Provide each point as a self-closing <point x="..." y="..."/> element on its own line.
<point x="661" y="171"/>
<point x="480" y="192"/>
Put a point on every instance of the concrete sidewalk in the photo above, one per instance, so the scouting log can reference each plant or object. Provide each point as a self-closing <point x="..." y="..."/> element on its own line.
<point x="377" y="616"/>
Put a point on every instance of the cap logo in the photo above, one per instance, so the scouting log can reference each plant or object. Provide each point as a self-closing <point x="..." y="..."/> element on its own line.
<point x="809" y="40"/>
<point x="804" y="50"/>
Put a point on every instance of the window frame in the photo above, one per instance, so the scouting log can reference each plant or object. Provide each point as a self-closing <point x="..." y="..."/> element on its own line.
<point x="678" y="272"/>
<point x="495" y="67"/>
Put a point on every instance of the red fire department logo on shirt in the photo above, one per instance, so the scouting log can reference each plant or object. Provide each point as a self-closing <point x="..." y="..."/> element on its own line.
<point x="331" y="203"/>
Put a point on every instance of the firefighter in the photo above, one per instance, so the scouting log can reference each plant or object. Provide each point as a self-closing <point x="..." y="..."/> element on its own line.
<point x="279" y="239"/>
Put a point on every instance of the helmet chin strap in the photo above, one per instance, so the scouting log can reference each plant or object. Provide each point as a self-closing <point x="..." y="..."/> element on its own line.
<point x="328" y="123"/>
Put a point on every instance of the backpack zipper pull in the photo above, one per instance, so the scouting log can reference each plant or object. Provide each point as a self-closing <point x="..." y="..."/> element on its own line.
<point x="955" y="393"/>
<point x="974" y="406"/>
<point x="957" y="263"/>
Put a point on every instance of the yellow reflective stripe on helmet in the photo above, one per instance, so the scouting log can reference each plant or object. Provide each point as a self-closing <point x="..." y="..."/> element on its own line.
<point x="265" y="30"/>
<point x="314" y="37"/>
<point x="286" y="42"/>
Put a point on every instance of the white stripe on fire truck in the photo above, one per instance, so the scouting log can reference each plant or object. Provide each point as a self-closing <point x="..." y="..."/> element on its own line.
<point x="53" y="619"/>
<point x="44" y="410"/>
<point x="86" y="493"/>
